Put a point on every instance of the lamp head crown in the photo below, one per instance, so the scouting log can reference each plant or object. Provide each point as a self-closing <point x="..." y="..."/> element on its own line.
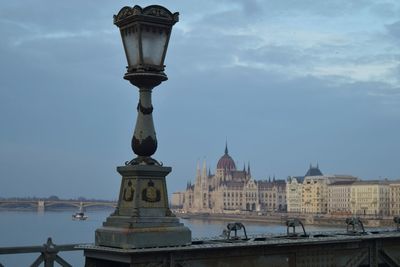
<point x="154" y="13"/>
<point x="145" y="34"/>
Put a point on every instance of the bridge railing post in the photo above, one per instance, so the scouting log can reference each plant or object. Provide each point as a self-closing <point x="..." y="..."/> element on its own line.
<point x="49" y="259"/>
<point x="49" y="255"/>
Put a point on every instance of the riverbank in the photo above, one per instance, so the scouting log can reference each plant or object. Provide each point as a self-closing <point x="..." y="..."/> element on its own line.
<point x="280" y="219"/>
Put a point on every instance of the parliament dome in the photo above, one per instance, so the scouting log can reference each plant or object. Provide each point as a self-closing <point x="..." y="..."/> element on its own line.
<point x="226" y="162"/>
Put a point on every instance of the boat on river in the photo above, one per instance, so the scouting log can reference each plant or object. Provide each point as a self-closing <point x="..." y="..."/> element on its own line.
<point x="80" y="215"/>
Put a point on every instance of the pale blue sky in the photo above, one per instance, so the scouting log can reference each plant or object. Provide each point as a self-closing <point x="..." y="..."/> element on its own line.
<point x="287" y="82"/>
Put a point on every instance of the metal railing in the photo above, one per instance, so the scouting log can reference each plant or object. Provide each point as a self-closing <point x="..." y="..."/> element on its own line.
<point x="48" y="253"/>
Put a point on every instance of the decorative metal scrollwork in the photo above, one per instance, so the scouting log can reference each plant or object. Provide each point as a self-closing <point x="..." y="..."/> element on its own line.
<point x="152" y="11"/>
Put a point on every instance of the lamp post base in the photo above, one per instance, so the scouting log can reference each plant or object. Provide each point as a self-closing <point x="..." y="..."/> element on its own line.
<point x="142" y="217"/>
<point x="143" y="237"/>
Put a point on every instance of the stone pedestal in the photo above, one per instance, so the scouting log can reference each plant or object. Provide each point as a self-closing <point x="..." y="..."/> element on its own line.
<point x="142" y="217"/>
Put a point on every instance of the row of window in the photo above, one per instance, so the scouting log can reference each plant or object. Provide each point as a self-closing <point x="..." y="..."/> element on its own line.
<point x="251" y="194"/>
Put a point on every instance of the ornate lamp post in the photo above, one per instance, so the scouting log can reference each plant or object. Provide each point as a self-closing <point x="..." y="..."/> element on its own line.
<point x="142" y="217"/>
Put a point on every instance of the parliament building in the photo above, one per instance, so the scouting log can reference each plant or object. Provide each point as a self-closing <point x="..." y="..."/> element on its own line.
<point x="230" y="190"/>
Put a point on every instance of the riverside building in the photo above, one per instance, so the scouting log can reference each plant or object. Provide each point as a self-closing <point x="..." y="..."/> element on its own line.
<point x="370" y="198"/>
<point x="230" y="190"/>
<point x="310" y="193"/>
<point x="294" y="187"/>
<point x="394" y="202"/>
<point x="339" y="198"/>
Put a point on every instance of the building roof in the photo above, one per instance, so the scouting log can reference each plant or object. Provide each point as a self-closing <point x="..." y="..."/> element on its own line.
<point x="372" y="182"/>
<point x="342" y="183"/>
<point x="233" y="184"/>
<point x="266" y="184"/>
<point x="299" y="179"/>
<point x="238" y="175"/>
<point x="314" y="171"/>
<point x="226" y="162"/>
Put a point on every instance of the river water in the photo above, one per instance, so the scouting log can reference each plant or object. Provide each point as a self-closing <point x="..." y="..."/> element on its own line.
<point x="27" y="228"/>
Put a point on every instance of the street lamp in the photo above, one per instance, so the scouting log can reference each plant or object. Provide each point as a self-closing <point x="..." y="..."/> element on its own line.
<point x="145" y="35"/>
<point x="142" y="217"/>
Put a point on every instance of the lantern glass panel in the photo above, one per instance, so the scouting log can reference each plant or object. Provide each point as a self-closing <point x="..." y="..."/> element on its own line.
<point x="131" y="41"/>
<point x="153" y="45"/>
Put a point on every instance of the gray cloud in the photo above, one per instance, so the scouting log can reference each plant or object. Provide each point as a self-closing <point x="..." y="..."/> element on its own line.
<point x="394" y="30"/>
<point x="320" y="8"/>
<point x="385" y="9"/>
<point x="69" y="114"/>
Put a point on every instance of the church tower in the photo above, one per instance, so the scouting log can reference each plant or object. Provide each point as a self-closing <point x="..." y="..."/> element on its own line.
<point x="201" y="189"/>
<point x="197" y="194"/>
<point x="204" y="177"/>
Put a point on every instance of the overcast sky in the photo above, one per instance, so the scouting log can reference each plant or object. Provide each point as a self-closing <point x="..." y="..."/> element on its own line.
<point x="286" y="82"/>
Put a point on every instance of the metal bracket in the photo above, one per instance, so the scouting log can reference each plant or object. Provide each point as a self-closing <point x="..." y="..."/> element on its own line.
<point x="292" y="223"/>
<point x="396" y="219"/>
<point x="356" y="224"/>
<point x="234" y="227"/>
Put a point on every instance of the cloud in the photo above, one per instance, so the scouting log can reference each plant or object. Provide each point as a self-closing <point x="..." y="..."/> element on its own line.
<point x="306" y="7"/>
<point x="307" y="42"/>
<point x="45" y="37"/>
<point x="286" y="81"/>
<point x="394" y="30"/>
<point x="385" y="9"/>
<point x="372" y="71"/>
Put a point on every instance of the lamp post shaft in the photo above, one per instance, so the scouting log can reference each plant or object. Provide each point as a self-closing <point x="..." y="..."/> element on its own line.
<point x="144" y="141"/>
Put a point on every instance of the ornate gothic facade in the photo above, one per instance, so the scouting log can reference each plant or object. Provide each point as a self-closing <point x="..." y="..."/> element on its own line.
<point x="232" y="190"/>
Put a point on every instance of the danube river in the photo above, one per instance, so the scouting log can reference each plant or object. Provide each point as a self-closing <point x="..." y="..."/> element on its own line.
<point x="27" y="228"/>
